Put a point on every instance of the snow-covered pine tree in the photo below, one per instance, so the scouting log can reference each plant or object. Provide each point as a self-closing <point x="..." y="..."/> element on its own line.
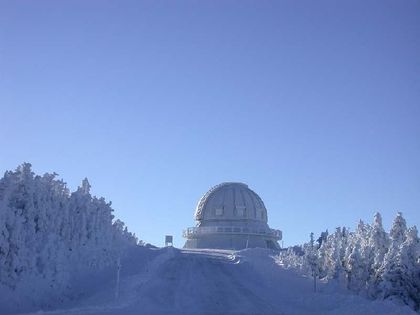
<point x="398" y="230"/>
<point x="355" y="239"/>
<point x="335" y="254"/>
<point x="378" y="245"/>
<point x="408" y="257"/>
<point x="356" y="268"/>
<point x="322" y="259"/>
<point x="392" y="275"/>
<point x="384" y="266"/>
<point x="322" y="238"/>
<point x="312" y="258"/>
<point x="46" y="234"/>
<point x="401" y="272"/>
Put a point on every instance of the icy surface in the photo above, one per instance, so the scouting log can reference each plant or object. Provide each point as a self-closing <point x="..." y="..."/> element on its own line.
<point x="172" y="281"/>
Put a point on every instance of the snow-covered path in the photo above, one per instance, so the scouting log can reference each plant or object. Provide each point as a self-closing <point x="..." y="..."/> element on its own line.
<point x="196" y="282"/>
<point x="222" y="282"/>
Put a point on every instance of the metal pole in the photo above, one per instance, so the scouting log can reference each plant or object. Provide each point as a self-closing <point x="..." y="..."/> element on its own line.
<point x="117" y="287"/>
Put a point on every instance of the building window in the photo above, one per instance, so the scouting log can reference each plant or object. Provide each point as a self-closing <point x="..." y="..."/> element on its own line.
<point x="240" y="211"/>
<point x="219" y="211"/>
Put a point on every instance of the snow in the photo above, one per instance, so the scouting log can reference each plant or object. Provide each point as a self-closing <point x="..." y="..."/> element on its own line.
<point x="60" y="252"/>
<point x="171" y="281"/>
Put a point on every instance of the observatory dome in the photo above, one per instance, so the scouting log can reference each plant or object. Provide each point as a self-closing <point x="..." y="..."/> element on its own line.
<point x="231" y="216"/>
<point x="231" y="201"/>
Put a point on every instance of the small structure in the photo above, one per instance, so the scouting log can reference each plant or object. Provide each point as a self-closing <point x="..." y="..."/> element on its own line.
<point x="168" y="240"/>
<point x="231" y="216"/>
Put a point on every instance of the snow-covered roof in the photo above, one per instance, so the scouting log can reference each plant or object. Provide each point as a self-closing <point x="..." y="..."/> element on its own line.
<point x="231" y="201"/>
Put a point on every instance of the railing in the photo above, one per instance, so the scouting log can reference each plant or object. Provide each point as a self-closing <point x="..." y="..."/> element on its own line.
<point x="192" y="232"/>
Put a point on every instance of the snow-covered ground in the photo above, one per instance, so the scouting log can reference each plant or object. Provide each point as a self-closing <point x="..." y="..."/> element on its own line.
<point x="172" y="281"/>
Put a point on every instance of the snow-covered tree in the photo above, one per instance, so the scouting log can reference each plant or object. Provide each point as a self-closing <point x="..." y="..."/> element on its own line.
<point x="356" y="269"/>
<point x="378" y="241"/>
<point x="378" y="246"/>
<point x="335" y="249"/>
<point x="398" y="230"/>
<point x="400" y="271"/>
<point x="46" y="233"/>
<point x="369" y="260"/>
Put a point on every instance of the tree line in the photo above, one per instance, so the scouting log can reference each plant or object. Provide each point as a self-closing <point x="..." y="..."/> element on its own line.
<point x="48" y="234"/>
<point x="368" y="261"/>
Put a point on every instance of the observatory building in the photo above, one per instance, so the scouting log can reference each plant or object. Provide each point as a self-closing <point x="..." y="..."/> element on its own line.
<point x="231" y="216"/>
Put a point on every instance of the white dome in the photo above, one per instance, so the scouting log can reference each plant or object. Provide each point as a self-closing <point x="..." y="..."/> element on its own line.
<point x="231" y="216"/>
<point x="231" y="201"/>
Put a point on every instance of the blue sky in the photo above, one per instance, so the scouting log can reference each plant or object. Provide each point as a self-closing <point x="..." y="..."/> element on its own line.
<point x="314" y="104"/>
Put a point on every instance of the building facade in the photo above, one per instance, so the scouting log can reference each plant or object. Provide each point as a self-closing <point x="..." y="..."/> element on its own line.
<point x="231" y="216"/>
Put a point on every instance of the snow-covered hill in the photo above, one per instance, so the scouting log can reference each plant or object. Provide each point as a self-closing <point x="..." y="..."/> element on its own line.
<point x="171" y="281"/>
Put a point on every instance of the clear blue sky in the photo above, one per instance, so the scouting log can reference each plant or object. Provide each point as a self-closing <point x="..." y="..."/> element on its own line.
<point x="314" y="104"/>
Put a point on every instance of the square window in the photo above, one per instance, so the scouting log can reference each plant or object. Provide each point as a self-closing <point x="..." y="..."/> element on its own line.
<point x="240" y="211"/>
<point x="219" y="211"/>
